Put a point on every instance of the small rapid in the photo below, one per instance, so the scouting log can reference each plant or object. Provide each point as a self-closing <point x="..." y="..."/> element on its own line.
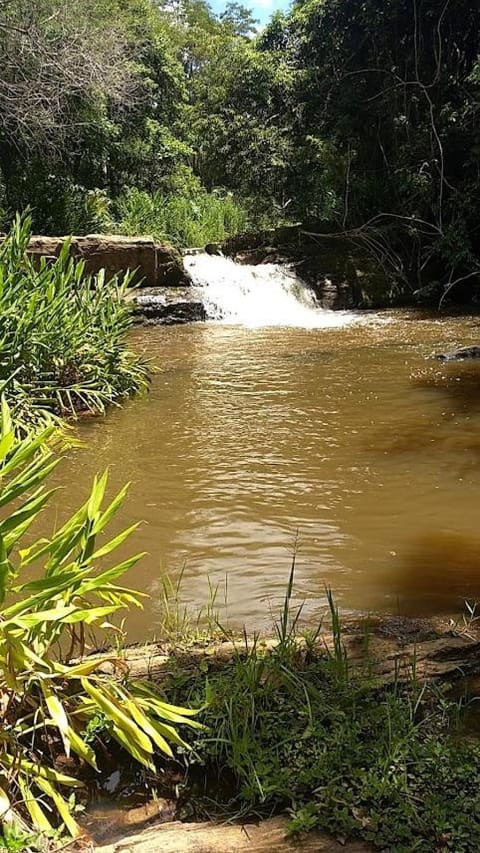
<point x="258" y="296"/>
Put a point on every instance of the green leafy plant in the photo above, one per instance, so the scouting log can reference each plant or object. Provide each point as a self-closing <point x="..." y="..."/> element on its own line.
<point x="50" y="693"/>
<point x="183" y="626"/>
<point x="298" y="727"/>
<point x="62" y="335"/>
<point x="185" y="220"/>
<point x="15" y="840"/>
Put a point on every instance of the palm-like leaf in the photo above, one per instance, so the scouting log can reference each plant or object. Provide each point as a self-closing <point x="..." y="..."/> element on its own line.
<point x="62" y="335"/>
<point x="40" y="691"/>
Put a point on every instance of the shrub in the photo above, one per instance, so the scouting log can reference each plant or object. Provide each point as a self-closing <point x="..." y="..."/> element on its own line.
<point x="185" y="220"/>
<point x="62" y="335"/>
<point x="50" y="695"/>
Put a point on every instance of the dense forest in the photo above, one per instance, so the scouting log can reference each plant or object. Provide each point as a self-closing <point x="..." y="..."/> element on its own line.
<point x="161" y="117"/>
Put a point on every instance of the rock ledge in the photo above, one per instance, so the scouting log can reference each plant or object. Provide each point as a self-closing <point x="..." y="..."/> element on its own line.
<point x="156" y="264"/>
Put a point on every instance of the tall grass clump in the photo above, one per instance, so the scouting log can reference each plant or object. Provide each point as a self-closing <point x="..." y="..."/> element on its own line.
<point x="62" y="334"/>
<point x="184" y="220"/>
<point x="55" y="702"/>
<point x="298" y="728"/>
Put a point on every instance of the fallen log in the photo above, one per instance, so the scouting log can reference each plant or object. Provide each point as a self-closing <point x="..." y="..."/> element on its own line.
<point x="268" y="836"/>
<point x="429" y="653"/>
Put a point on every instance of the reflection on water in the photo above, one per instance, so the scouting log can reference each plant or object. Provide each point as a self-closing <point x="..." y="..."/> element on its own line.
<point x="350" y="436"/>
<point x="439" y="567"/>
<point x="459" y="380"/>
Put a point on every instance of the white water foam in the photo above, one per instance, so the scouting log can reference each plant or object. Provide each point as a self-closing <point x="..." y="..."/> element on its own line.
<point x="257" y="296"/>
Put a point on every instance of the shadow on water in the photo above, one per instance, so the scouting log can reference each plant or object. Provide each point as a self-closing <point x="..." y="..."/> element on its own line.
<point x="438" y="572"/>
<point x="418" y="437"/>
<point x="452" y="429"/>
<point x="458" y="381"/>
<point x="413" y="315"/>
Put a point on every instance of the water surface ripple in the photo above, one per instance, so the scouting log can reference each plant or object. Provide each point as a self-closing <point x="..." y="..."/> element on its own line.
<point x="351" y="440"/>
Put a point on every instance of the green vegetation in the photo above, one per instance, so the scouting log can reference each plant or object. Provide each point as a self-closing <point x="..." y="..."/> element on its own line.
<point x="149" y="116"/>
<point x="299" y="729"/>
<point x="62" y="336"/>
<point x="99" y="135"/>
<point x="153" y="115"/>
<point x="51" y="696"/>
<point x="185" y="220"/>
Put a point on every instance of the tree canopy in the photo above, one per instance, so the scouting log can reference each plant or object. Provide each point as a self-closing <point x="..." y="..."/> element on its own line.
<point x="356" y="117"/>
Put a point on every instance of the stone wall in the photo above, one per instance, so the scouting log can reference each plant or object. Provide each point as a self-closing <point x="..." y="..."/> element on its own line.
<point x="167" y="306"/>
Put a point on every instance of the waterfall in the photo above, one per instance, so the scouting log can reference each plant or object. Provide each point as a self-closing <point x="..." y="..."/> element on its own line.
<point x="263" y="295"/>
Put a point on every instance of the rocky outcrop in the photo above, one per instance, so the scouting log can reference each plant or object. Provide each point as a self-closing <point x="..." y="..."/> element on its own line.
<point x="164" y="296"/>
<point x="341" y="273"/>
<point x="334" y="292"/>
<point x="156" y="264"/>
<point x="213" y="249"/>
<point x="460" y="354"/>
<point x="167" y="306"/>
<point x="262" y="255"/>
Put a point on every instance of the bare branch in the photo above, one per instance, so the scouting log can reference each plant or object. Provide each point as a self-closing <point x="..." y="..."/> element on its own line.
<point x="55" y="56"/>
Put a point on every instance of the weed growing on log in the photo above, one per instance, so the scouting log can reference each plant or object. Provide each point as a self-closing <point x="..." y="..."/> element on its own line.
<point x="300" y="728"/>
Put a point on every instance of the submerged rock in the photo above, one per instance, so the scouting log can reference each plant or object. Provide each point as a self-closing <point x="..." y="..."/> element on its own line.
<point x="167" y="306"/>
<point x="460" y="354"/>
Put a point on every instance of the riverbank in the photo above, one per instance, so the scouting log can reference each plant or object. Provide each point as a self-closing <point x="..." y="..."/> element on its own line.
<point x="260" y="837"/>
<point x="335" y="267"/>
<point x="346" y="729"/>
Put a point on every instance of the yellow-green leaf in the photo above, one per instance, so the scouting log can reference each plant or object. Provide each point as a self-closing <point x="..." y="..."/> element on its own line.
<point x="114" y="712"/>
<point x="38" y="816"/>
<point x="62" y="807"/>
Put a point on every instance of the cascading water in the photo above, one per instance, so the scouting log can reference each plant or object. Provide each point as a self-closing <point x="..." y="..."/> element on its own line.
<point x="263" y="295"/>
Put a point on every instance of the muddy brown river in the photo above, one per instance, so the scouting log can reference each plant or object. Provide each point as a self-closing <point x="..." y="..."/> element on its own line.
<point x="349" y="445"/>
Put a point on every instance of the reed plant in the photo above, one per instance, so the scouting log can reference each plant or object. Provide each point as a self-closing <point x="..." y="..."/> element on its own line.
<point x="183" y="626"/>
<point x="62" y="335"/>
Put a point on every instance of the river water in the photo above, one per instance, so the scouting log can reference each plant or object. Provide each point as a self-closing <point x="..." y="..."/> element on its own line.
<point x="334" y="435"/>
